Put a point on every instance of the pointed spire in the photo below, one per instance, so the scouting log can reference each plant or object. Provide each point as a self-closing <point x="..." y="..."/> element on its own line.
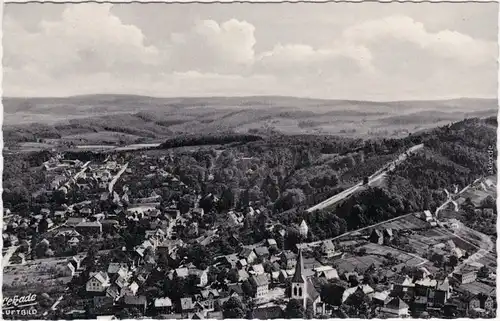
<point x="298" y="277"/>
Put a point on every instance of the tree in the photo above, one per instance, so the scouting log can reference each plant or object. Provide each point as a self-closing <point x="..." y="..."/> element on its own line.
<point x="233" y="309"/>
<point x="295" y="310"/>
<point x="453" y="261"/>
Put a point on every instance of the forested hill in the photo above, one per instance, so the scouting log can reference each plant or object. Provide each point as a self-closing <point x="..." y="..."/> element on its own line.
<point x="454" y="154"/>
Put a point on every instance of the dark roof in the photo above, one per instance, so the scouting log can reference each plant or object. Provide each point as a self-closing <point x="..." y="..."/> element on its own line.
<point x="235" y="288"/>
<point x="259" y="280"/>
<point x="261" y="251"/>
<point x="289" y="255"/>
<point x="134" y="300"/>
<point x="397" y="303"/>
<point x="298" y="276"/>
<point x="271" y="312"/>
<point x="245" y="252"/>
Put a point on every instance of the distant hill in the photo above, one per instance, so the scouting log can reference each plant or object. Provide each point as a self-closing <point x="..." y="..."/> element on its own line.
<point x="91" y="118"/>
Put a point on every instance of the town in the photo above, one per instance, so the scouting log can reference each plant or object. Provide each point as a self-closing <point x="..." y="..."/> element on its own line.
<point x="126" y="235"/>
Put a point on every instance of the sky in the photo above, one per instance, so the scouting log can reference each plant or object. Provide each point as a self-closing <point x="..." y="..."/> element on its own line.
<point x="361" y="51"/>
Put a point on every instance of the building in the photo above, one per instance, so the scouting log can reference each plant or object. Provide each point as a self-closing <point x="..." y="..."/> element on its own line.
<point x="302" y="288"/>
<point x="377" y="237"/>
<point x="260" y="284"/>
<point x="466" y="275"/>
<point x="288" y="259"/>
<point x="303" y="229"/>
<point x="139" y="302"/>
<point x="89" y="228"/>
<point x="327" y="248"/>
<point x="396" y="307"/>
<point x="98" y="282"/>
<point x="248" y="254"/>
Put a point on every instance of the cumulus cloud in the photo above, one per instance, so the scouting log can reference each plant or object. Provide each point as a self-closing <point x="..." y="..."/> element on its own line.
<point x="216" y="47"/>
<point x="446" y="43"/>
<point x="90" y="49"/>
<point x="87" y="38"/>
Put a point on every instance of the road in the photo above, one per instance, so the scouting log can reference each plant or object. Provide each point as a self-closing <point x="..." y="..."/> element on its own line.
<point x="115" y="179"/>
<point x="6" y="257"/>
<point x="54" y="306"/>
<point x="375" y="177"/>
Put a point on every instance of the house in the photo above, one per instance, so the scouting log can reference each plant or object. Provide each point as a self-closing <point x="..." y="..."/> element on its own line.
<point x="268" y="312"/>
<point x="388" y="235"/>
<point x="242" y="275"/>
<point x="366" y="289"/>
<point x="469" y="301"/>
<point x="402" y="285"/>
<point x="262" y="252"/>
<point x="260" y="284"/>
<point x="396" y="307"/>
<point x="215" y="315"/>
<point x="248" y="254"/>
<point x="89" y="228"/>
<point x="326" y="272"/>
<point x="98" y="282"/>
<point x="130" y="289"/>
<point x="442" y="293"/>
<point x="303" y="229"/>
<point x="289" y="259"/>
<point x="139" y="302"/>
<point x="327" y="248"/>
<point x="377" y="237"/>
<point x="73" y="241"/>
<point x="258" y="269"/>
<point x="74" y="221"/>
<point x="181" y="273"/>
<point x="202" y="275"/>
<point x="381" y="298"/>
<point x="163" y="305"/>
<point x="117" y="269"/>
<point x="486" y="302"/>
<point x="466" y="275"/>
<point x="428" y="216"/>
<point x="187" y="305"/>
<point x="271" y="243"/>
<point x="241" y="264"/>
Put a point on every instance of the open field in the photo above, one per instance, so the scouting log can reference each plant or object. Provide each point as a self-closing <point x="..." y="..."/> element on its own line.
<point x="131" y="118"/>
<point x="37" y="276"/>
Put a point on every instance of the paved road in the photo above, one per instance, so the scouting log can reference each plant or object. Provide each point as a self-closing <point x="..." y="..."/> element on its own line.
<point x="375" y="177"/>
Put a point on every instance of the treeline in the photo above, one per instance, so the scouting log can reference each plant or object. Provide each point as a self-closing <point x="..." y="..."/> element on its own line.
<point x="213" y="139"/>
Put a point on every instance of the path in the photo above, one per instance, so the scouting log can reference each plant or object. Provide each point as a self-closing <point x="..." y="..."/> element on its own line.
<point x="6" y="257"/>
<point x="375" y="177"/>
<point x="54" y="306"/>
<point x="115" y="179"/>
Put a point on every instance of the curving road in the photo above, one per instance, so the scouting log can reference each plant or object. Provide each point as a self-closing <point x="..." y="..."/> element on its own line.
<point x="375" y="177"/>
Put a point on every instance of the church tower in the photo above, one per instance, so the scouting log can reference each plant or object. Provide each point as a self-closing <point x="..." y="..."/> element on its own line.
<point x="299" y="284"/>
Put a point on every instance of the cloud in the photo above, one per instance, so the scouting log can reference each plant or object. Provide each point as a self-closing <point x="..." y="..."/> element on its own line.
<point x="87" y="38"/>
<point x="215" y="47"/>
<point x="443" y="44"/>
<point x="89" y="49"/>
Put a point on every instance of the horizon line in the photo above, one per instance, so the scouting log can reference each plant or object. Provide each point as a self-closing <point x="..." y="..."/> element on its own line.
<point x="252" y="96"/>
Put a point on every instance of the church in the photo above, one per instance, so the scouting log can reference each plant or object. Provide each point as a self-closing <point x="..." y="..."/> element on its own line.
<point x="302" y="288"/>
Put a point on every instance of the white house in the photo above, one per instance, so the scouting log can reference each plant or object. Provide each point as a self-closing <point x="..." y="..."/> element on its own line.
<point x="98" y="282"/>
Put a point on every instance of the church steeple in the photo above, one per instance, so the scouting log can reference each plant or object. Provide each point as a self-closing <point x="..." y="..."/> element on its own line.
<point x="298" y="277"/>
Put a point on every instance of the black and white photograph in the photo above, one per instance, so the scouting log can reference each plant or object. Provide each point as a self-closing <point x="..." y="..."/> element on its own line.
<point x="249" y="160"/>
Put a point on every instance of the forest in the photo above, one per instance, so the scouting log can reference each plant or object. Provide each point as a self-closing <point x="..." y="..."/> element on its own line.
<point x="285" y="174"/>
